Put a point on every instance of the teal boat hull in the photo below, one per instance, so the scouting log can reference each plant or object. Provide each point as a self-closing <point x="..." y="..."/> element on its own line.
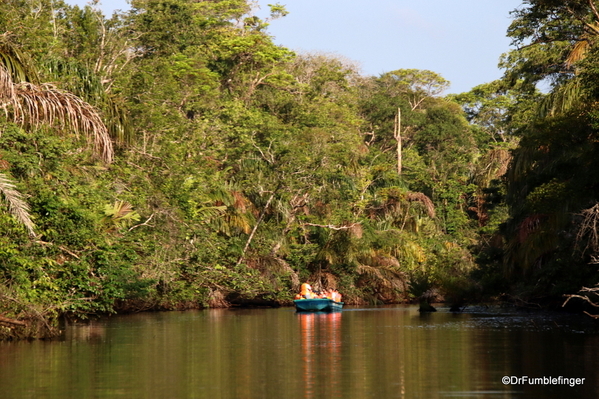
<point x="317" y="305"/>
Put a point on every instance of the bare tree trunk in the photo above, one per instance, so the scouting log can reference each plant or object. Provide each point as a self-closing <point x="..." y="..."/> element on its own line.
<point x="251" y="237"/>
<point x="397" y="135"/>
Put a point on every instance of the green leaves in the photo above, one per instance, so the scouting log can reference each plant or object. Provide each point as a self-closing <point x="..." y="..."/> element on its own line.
<point x="414" y="84"/>
<point x="277" y="11"/>
<point x="120" y="215"/>
<point x="255" y="165"/>
<point x="552" y="37"/>
<point x="547" y="180"/>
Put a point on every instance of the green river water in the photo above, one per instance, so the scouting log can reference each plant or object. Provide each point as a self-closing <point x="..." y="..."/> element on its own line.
<point x="378" y="352"/>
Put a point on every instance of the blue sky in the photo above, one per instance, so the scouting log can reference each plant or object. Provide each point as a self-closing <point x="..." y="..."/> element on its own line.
<point x="461" y="40"/>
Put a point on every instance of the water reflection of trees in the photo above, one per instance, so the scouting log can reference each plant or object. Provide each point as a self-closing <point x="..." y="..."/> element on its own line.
<point x="254" y="353"/>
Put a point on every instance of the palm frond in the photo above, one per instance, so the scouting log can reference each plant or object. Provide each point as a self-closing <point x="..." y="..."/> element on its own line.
<point x="492" y="165"/>
<point x="534" y="239"/>
<point x="118" y="210"/>
<point x="119" y="126"/>
<point x="34" y="105"/>
<point x="411" y="255"/>
<point x="578" y="52"/>
<point x="272" y="267"/>
<point x="31" y="104"/>
<point x="383" y="272"/>
<point x="120" y="215"/>
<point x="85" y="83"/>
<point x="562" y="99"/>
<point x="16" y="62"/>
<point x="238" y="222"/>
<point x="7" y="87"/>
<point x="207" y="213"/>
<point x="424" y="200"/>
<point x="16" y="205"/>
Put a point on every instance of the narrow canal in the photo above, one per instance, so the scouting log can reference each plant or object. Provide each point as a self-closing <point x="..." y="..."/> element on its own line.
<point x="379" y="352"/>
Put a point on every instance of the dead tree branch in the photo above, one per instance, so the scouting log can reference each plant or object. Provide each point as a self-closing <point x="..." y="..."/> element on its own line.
<point x="330" y="226"/>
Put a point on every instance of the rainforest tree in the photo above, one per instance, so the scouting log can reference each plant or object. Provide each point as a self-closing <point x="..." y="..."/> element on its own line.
<point x="230" y="169"/>
<point x="547" y="244"/>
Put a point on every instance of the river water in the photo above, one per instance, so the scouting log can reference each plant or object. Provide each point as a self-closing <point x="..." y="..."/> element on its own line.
<point x="378" y="352"/>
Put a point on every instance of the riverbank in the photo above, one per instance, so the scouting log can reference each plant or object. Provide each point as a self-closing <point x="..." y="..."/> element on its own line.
<point x="37" y="323"/>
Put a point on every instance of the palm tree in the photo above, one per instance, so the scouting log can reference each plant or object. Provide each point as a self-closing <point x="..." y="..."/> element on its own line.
<point x="30" y="104"/>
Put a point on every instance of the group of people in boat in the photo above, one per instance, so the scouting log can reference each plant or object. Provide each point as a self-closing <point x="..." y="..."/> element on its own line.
<point x="306" y="292"/>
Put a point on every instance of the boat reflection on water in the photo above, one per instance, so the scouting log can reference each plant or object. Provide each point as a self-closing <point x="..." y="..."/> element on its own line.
<point x="321" y="353"/>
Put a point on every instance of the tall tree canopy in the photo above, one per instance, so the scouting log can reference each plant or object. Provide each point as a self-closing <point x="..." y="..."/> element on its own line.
<point x="235" y="168"/>
<point x="548" y="186"/>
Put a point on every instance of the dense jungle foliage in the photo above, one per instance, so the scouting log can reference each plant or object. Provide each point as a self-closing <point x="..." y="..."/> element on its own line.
<point x="174" y="157"/>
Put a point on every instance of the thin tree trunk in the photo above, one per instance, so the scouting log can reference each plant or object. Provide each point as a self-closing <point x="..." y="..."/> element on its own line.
<point x="397" y="135"/>
<point x="251" y="237"/>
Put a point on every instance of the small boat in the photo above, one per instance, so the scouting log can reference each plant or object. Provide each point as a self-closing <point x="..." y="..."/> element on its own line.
<point x="317" y="305"/>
